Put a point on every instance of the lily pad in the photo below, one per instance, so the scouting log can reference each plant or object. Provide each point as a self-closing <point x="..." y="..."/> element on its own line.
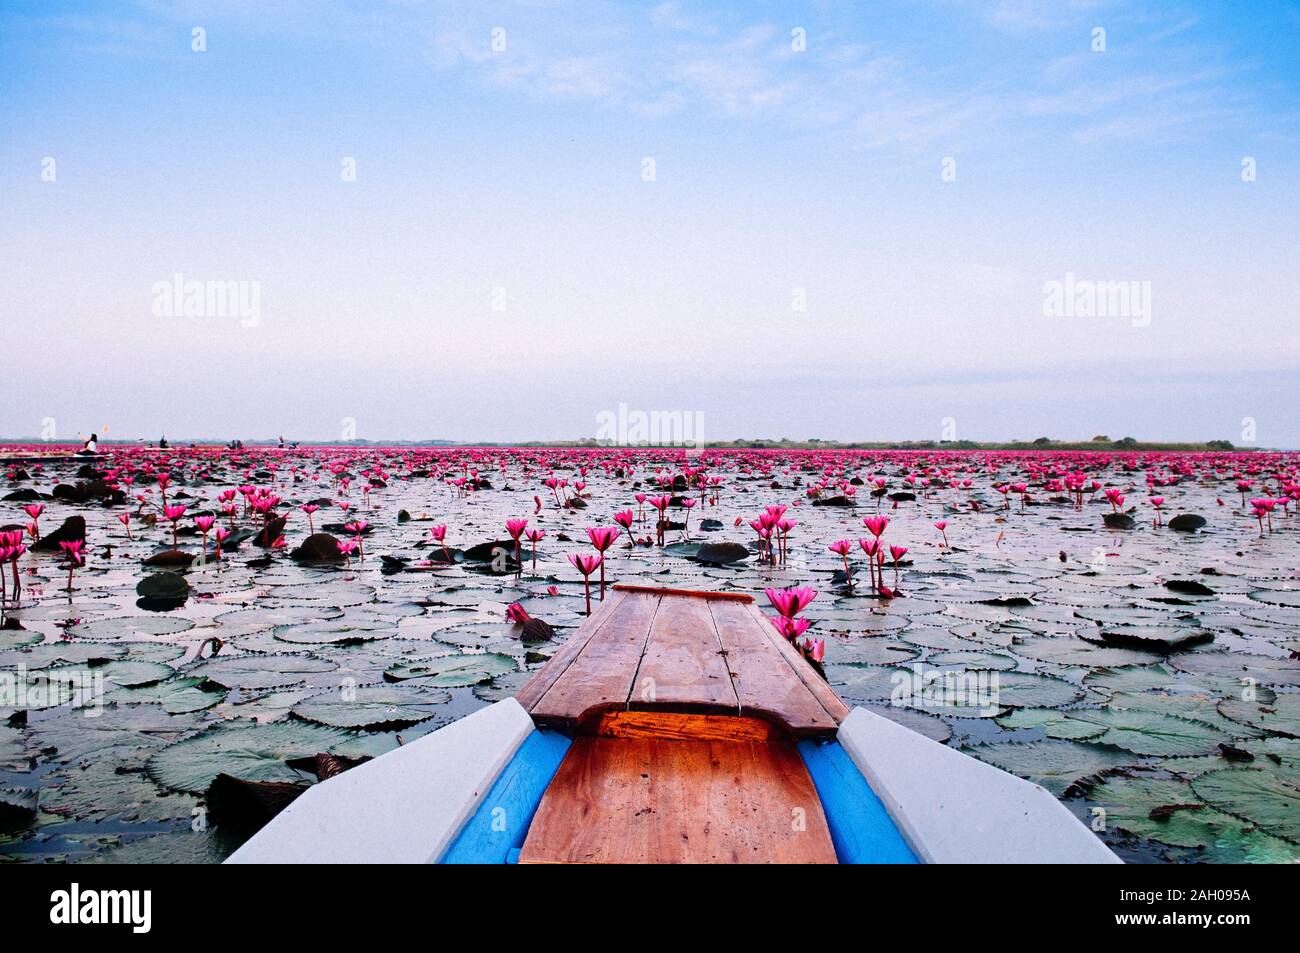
<point x="385" y="707"/>
<point x="1266" y="799"/>
<point x="1148" y="732"/>
<point x="245" y="751"/>
<point x="452" y="671"/>
<point x="1182" y="819"/>
<point x="1280" y="714"/>
<point x="1056" y="765"/>
<point x="130" y="627"/>
<point x="261" y="671"/>
<point x="334" y="632"/>
<point x="1264" y="669"/>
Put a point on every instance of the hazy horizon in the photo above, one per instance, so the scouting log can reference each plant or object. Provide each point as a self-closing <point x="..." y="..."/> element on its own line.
<point x="854" y="224"/>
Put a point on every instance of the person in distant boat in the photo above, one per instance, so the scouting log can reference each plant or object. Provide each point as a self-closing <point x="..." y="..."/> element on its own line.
<point x="91" y="446"/>
<point x="162" y="442"/>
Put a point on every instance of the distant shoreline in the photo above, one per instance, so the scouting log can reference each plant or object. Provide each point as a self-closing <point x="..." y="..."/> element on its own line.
<point x="1115" y="446"/>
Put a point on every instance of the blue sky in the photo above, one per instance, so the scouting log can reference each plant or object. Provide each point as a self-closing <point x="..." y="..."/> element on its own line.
<point x="516" y="174"/>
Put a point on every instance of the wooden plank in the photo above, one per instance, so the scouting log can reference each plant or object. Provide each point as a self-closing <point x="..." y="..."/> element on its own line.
<point x="601" y="677"/>
<point x="537" y="686"/>
<point x="680" y="725"/>
<point x="816" y="684"/>
<point x="646" y="800"/>
<point x="765" y="683"/>
<point x="683" y="667"/>
<point x="693" y="593"/>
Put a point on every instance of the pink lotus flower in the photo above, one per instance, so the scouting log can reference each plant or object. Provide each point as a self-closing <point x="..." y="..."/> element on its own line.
<point x="602" y="537"/>
<point x="174" y="513"/>
<point x="72" y="550"/>
<point x="535" y="536"/>
<point x="789" y="628"/>
<point x="815" y="649"/>
<point x="310" y="508"/>
<point x="842" y="548"/>
<point x="790" y="602"/>
<point x="222" y="535"/>
<point x="942" y="527"/>
<point x="515" y="613"/>
<point x="876" y="524"/>
<point x="586" y="564"/>
<point x="439" y="534"/>
<point x="897" y="552"/>
<point x="204" y="523"/>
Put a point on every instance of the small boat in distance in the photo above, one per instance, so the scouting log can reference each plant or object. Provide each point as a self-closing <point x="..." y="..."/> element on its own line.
<point x="675" y="727"/>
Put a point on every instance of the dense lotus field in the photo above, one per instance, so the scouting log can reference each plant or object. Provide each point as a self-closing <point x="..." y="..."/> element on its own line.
<point x="1141" y="661"/>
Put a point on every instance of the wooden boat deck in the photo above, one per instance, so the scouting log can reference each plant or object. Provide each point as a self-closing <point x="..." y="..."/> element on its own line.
<point x="671" y="801"/>
<point x="686" y="708"/>
<point x="670" y="651"/>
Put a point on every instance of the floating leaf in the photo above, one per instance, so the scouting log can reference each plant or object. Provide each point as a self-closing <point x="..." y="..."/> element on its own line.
<point x="1150" y="733"/>
<point x="1277" y="713"/>
<point x="452" y="671"/>
<point x="130" y="627"/>
<point x="1264" y="669"/>
<point x="261" y="671"/>
<point x="244" y="751"/>
<point x="372" y="706"/>
<point x="1265" y="798"/>
<point x="1056" y="765"/>
<point x="1184" y="820"/>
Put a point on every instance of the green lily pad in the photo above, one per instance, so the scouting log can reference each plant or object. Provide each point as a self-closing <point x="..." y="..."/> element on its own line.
<point x="14" y="638"/>
<point x="130" y="627"/>
<point x="1024" y="690"/>
<point x="1199" y="708"/>
<point x="1279" y="714"/>
<point x="1265" y="669"/>
<point x="261" y="671"/>
<point x="244" y="751"/>
<point x="372" y="706"/>
<point x="1265" y="798"/>
<point x="336" y="632"/>
<point x="1128" y="678"/>
<point x="1054" y="722"/>
<point x="177" y="696"/>
<point x="1056" y="765"/>
<point x="452" y="671"/>
<point x="1184" y="820"/>
<point x="1149" y="732"/>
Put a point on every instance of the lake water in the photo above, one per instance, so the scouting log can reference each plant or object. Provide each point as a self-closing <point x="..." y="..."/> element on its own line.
<point x="1040" y="615"/>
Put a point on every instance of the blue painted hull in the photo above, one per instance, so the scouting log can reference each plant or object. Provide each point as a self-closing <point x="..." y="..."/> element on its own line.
<point x="861" y="829"/>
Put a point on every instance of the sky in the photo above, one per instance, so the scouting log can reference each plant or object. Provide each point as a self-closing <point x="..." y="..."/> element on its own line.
<point x="499" y="221"/>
